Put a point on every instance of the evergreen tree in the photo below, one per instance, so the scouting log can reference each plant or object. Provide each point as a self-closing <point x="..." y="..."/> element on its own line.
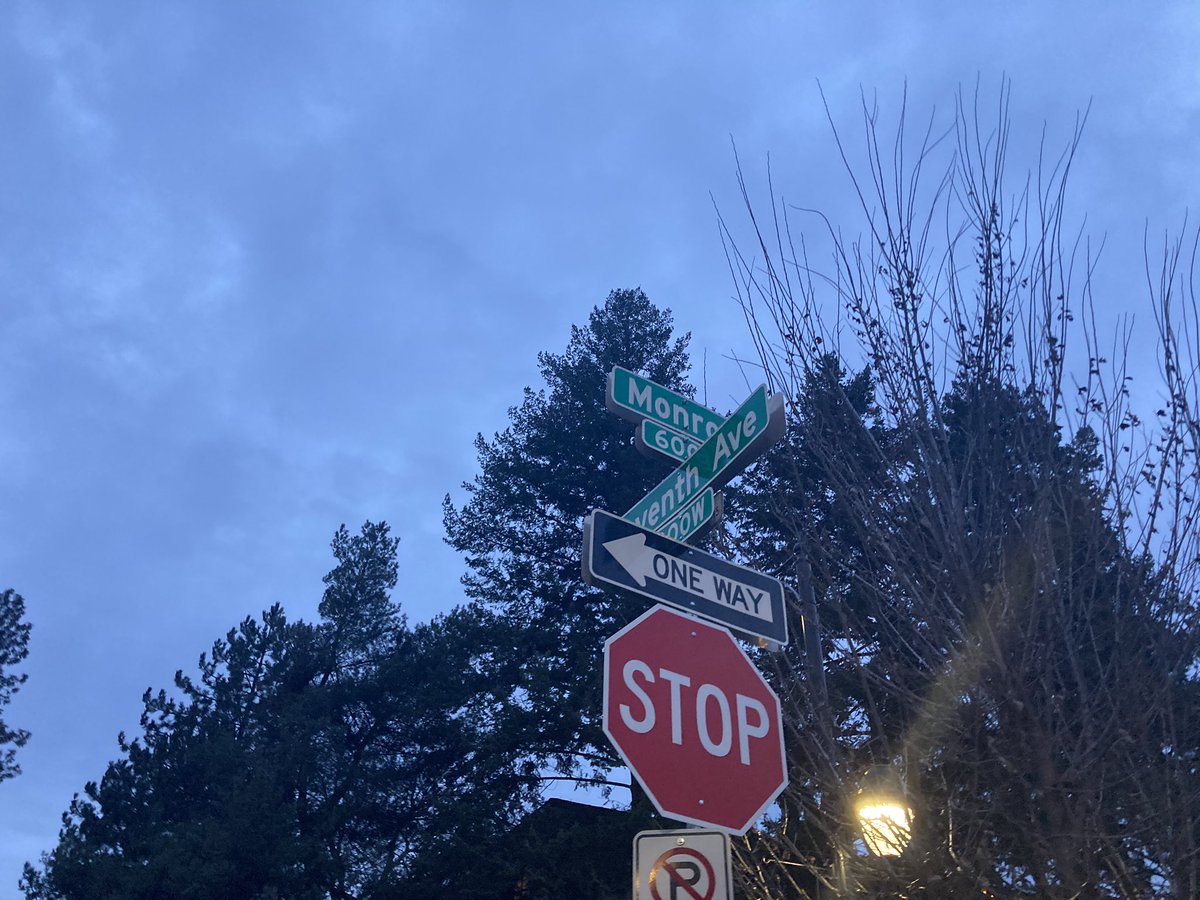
<point x="361" y="620"/>
<point x="521" y="529"/>
<point x="302" y="761"/>
<point x="14" y="647"/>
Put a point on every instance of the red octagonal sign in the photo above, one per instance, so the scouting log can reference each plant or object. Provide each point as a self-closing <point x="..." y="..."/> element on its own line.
<point x="694" y="720"/>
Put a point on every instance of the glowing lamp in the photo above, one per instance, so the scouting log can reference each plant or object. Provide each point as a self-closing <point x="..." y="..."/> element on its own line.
<point x="884" y="816"/>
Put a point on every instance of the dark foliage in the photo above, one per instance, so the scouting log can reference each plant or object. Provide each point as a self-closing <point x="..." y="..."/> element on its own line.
<point x="522" y="528"/>
<point x="302" y="761"/>
<point x="14" y="647"/>
<point x="1002" y="576"/>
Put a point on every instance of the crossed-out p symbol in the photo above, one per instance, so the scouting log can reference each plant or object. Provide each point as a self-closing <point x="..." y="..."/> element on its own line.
<point x="682" y="874"/>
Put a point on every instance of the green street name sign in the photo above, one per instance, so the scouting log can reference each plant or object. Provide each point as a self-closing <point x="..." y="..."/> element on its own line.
<point x="737" y="440"/>
<point x="633" y="397"/>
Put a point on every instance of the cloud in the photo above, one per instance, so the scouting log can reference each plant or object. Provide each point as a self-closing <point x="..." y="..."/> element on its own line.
<point x="71" y="67"/>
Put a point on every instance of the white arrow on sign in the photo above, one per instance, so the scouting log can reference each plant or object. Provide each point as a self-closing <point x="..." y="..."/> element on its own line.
<point x="645" y="563"/>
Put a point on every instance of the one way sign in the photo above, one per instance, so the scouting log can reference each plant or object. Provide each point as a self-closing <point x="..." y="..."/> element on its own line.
<point x="624" y="555"/>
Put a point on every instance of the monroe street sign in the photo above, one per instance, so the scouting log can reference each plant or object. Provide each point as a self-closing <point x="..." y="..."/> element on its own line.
<point x="633" y="397"/>
<point x="694" y="720"/>
<point x="619" y="553"/>
<point x="672" y="425"/>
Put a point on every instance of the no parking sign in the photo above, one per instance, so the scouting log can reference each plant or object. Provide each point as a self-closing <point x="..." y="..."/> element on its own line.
<point x="689" y="864"/>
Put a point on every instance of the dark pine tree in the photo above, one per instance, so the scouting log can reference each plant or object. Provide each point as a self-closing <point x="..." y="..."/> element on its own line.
<point x="14" y="647"/>
<point x="303" y="761"/>
<point x="522" y="528"/>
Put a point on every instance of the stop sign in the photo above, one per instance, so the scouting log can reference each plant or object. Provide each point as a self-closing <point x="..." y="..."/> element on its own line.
<point x="694" y="720"/>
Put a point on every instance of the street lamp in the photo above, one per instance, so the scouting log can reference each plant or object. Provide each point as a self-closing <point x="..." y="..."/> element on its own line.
<point x="884" y="816"/>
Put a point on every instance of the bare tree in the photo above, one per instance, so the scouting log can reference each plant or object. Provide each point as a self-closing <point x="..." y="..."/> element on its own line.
<point x="994" y="559"/>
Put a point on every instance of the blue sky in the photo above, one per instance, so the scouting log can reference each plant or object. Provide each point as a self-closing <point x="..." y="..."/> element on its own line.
<point x="267" y="268"/>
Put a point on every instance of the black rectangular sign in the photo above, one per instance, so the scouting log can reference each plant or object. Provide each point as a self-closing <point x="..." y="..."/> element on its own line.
<point x="621" y="554"/>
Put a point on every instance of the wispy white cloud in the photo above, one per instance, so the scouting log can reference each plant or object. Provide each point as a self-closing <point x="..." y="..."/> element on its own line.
<point x="72" y="66"/>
